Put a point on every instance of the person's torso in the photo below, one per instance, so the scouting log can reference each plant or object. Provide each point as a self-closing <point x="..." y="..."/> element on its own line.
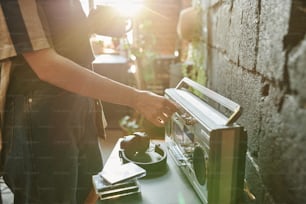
<point x="65" y="25"/>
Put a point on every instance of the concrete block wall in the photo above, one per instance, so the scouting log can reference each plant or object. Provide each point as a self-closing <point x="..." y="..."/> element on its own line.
<point x="257" y="57"/>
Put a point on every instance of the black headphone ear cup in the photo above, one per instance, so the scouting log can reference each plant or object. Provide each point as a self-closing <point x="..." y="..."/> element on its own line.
<point x="154" y="161"/>
<point x="143" y="142"/>
<point x="138" y="142"/>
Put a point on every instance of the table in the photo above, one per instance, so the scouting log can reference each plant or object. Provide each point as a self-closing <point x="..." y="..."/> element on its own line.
<point x="169" y="188"/>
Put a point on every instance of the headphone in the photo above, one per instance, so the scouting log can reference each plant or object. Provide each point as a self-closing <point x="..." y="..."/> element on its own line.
<point x="138" y="149"/>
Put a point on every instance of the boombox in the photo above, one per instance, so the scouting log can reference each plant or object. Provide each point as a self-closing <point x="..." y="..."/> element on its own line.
<point x="206" y="143"/>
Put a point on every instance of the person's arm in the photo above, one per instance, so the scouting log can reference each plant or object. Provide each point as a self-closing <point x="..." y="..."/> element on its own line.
<point x="64" y="73"/>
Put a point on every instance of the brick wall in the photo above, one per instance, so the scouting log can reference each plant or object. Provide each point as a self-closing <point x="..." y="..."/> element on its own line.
<point x="257" y="57"/>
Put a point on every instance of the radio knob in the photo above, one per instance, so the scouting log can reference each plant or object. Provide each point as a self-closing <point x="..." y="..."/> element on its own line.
<point x="184" y="116"/>
<point x="190" y="120"/>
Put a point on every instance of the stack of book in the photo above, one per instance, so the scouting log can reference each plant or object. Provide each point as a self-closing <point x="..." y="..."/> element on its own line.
<point x="118" y="180"/>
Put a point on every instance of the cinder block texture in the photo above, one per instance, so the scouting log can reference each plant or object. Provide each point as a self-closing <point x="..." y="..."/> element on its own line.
<point x="282" y="154"/>
<point x="273" y="26"/>
<point x="249" y="32"/>
<point x="257" y="58"/>
<point x="296" y="69"/>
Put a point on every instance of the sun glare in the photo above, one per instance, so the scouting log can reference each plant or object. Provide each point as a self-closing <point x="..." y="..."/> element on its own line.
<point x="128" y="8"/>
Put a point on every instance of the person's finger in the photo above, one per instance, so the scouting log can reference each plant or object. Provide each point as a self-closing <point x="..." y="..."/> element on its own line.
<point x="160" y="121"/>
<point x="165" y="114"/>
<point x="168" y="111"/>
<point x="171" y="107"/>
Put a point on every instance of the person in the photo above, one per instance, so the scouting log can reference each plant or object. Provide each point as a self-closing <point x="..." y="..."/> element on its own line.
<point x="51" y="119"/>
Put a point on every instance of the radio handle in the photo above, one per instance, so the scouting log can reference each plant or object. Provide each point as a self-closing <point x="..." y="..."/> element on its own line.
<point x="231" y="105"/>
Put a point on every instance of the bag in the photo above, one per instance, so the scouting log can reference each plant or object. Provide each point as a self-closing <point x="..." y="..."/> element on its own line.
<point x="4" y="82"/>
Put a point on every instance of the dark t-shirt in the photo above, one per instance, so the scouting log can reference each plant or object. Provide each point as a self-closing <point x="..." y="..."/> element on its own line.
<point x="65" y="26"/>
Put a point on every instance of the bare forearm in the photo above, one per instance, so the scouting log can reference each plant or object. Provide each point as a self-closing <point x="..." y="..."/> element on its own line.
<point x="62" y="72"/>
<point x="70" y="76"/>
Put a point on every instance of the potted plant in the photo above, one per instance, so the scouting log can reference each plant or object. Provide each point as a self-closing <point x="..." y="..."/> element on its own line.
<point x="189" y="28"/>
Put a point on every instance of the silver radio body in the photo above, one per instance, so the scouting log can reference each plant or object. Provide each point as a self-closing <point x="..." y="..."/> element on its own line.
<point x="206" y="144"/>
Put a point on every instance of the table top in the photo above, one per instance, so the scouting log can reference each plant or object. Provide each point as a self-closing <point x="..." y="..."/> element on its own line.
<point x="170" y="188"/>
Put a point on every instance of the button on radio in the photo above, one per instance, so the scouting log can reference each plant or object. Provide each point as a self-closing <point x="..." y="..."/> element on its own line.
<point x="188" y="119"/>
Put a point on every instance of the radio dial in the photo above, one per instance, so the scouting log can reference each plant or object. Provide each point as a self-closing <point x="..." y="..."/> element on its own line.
<point x="190" y="120"/>
<point x="184" y="115"/>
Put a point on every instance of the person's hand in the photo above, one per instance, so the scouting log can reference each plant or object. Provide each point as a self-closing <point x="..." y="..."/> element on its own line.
<point x="157" y="109"/>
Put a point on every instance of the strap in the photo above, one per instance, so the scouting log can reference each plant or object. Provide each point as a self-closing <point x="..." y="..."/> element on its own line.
<point x="6" y="66"/>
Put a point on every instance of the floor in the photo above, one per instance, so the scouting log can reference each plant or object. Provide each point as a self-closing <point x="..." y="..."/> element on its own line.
<point x="107" y="145"/>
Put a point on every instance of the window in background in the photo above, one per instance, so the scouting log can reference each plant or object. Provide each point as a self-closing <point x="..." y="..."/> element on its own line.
<point x="107" y="44"/>
<point x="85" y="5"/>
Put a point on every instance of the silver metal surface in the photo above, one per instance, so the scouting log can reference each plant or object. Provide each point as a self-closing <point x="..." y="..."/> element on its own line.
<point x="206" y="144"/>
